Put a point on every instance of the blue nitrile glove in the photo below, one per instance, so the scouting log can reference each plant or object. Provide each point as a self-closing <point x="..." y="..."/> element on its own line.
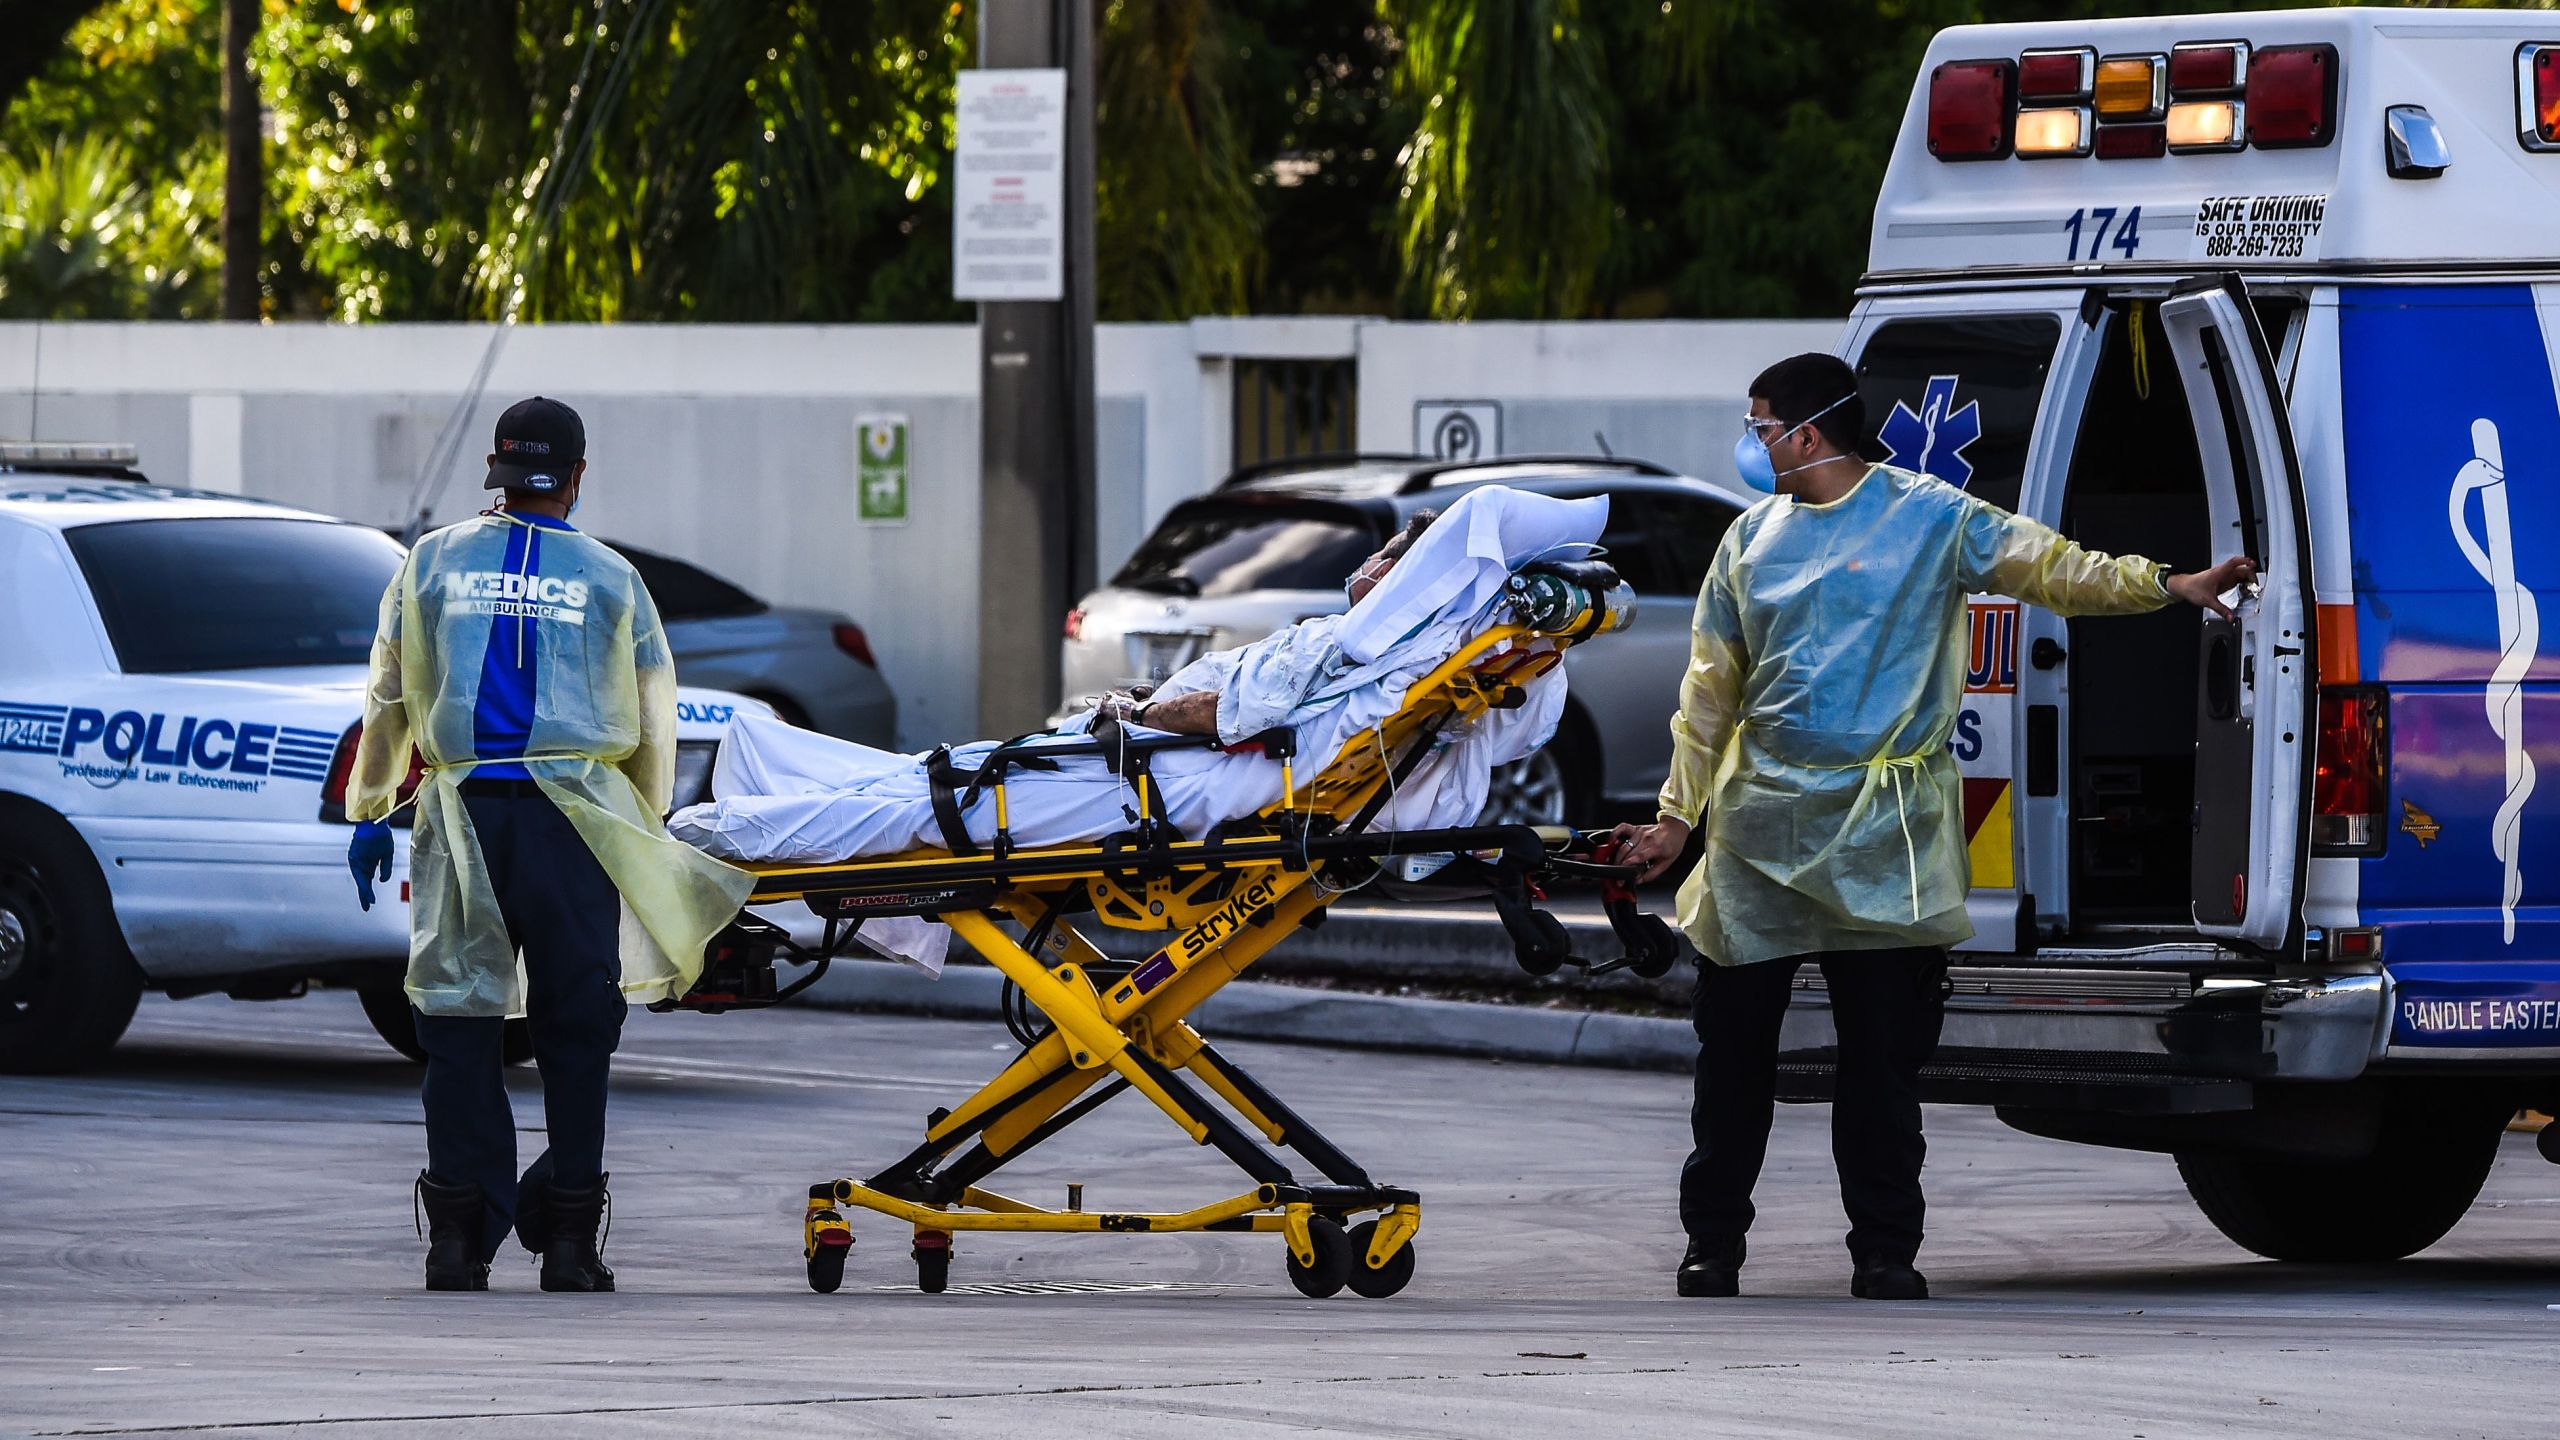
<point x="369" y="857"/>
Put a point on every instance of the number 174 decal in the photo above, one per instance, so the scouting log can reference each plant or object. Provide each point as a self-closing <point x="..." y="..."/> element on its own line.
<point x="2103" y="226"/>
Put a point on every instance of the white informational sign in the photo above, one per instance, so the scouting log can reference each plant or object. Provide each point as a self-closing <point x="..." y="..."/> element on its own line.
<point x="1008" y="197"/>
<point x="1457" y="429"/>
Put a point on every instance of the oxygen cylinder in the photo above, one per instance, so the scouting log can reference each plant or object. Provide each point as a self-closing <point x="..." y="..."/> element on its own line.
<point x="1544" y="601"/>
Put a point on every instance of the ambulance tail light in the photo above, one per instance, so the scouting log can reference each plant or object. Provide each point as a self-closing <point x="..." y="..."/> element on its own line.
<point x="2213" y="67"/>
<point x="851" y="640"/>
<point x="2350" y="772"/>
<point x="1970" y="104"/>
<point x="2292" y="96"/>
<point x="2044" y="134"/>
<point x="2538" y="96"/>
<point x="342" y="767"/>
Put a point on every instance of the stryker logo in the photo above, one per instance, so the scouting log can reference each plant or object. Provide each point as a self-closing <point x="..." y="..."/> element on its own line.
<point x="157" y="748"/>
<point x="1227" y="919"/>
<point x="506" y="593"/>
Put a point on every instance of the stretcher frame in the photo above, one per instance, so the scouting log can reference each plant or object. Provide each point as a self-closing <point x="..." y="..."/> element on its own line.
<point x="1225" y="900"/>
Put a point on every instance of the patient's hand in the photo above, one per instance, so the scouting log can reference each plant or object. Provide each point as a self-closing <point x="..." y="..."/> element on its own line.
<point x="1192" y="714"/>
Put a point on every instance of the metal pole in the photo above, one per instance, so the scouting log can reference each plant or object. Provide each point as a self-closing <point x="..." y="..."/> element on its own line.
<point x="1035" y="395"/>
<point x="243" y="180"/>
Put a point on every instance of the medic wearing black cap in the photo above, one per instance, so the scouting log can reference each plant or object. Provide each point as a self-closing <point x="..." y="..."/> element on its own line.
<point x="496" y="613"/>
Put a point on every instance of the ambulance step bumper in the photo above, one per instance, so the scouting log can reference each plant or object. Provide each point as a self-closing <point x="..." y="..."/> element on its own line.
<point x="2055" y="1080"/>
<point x="2242" y="1027"/>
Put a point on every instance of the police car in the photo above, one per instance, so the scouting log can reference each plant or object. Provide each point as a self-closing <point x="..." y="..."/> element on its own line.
<point x="181" y="679"/>
<point x="2279" y="897"/>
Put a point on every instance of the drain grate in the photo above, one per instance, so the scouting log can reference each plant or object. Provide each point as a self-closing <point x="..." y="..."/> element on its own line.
<point x="1065" y="1287"/>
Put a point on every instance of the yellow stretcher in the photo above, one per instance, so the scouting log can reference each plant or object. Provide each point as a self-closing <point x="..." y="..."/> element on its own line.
<point x="1226" y="900"/>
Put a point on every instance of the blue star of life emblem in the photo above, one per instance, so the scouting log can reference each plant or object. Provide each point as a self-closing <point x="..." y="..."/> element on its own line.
<point x="1932" y="440"/>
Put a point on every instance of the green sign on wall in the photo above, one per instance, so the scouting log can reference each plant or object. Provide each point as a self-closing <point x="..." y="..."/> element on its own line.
<point x="880" y="445"/>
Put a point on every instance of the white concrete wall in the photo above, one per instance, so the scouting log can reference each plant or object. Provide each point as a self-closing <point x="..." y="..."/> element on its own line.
<point x="733" y="446"/>
<point x="1670" y="391"/>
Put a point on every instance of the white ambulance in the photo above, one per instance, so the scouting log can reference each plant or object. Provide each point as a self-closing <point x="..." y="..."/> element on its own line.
<point x="181" y="680"/>
<point x="2280" y="897"/>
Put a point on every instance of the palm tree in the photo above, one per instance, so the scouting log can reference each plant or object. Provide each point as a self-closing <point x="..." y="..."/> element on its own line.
<point x="1504" y="202"/>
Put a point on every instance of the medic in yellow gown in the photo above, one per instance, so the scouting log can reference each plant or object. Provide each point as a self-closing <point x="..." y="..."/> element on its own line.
<point x="1811" y="746"/>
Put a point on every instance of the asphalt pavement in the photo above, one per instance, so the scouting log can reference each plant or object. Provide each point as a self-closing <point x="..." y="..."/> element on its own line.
<point x="213" y="1232"/>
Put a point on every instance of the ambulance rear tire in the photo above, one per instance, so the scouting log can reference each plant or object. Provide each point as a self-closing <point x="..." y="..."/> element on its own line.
<point x="68" y="986"/>
<point x="386" y="1005"/>
<point x="2414" y="1187"/>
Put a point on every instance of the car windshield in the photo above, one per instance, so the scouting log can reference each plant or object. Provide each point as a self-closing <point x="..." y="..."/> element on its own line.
<point x="236" y="594"/>
<point x="1215" y="549"/>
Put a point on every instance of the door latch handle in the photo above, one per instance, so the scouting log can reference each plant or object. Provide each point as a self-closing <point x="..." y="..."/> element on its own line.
<point x="2045" y="653"/>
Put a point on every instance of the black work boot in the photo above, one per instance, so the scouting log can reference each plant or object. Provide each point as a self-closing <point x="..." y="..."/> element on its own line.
<point x="1712" y="1269"/>
<point x="571" y="1252"/>
<point x="456" y="1216"/>
<point x="1887" y="1280"/>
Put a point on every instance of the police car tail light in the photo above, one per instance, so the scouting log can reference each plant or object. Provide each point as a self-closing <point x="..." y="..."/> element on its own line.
<point x="2350" y="771"/>
<point x="2052" y="134"/>
<point x="2292" y="94"/>
<point x="342" y="768"/>
<point x="2538" y="96"/>
<point x="1969" y="108"/>
<point x="851" y="640"/>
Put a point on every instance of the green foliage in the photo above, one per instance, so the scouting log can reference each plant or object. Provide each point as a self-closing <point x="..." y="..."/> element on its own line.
<point x="1504" y="200"/>
<point x="1176" y="226"/>
<point x="773" y="161"/>
<point x="82" y="239"/>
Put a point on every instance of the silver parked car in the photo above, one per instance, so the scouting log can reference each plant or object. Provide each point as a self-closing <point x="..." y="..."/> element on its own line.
<point x="1273" y="544"/>
<point x="814" y="667"/>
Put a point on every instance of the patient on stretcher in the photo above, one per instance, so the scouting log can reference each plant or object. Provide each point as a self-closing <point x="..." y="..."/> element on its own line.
<point x="782" y="794"/>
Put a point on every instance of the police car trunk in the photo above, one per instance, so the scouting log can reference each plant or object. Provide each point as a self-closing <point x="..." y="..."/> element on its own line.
<point x="2168" y="285"/>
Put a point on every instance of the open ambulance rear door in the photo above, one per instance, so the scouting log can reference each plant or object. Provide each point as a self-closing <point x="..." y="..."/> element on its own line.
<point x="2255" y="691"/>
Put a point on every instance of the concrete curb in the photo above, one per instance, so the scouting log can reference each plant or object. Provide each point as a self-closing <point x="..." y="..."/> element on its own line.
<point x="1253" y="1010"/>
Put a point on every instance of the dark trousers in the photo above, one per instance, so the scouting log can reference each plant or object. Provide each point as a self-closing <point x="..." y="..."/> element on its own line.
<point x="565" y="916"/>
<point x="1886" y="1006"/>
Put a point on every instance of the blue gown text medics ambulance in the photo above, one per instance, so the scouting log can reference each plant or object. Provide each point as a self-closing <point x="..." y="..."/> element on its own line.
<point x="2280" y="895"/>
<point x="181" y="675"/>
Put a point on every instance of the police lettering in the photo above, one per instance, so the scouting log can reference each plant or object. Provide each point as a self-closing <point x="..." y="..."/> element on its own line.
<point x="193" y="743"/>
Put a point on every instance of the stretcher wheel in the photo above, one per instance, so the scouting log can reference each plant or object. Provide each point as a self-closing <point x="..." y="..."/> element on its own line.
<point x="826" y="1264"/>
<point x="933" y="1263"/>
<point x="1387" y="1279"/>
<point x="1659" y="950"/>
<point x="1547" y="947"/>
<point x="1334" y="1260"/>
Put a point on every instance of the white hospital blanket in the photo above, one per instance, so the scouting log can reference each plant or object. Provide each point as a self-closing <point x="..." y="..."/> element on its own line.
<point x="783" y="794"/>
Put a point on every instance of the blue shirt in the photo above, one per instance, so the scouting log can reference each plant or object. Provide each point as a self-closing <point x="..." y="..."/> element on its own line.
<point x="503" y="720"/>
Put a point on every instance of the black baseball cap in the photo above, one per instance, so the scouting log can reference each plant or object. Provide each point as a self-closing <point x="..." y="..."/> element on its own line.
<point x="539" y="442"/>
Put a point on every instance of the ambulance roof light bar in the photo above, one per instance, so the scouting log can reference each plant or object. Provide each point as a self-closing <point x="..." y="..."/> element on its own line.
<point x="2207" y="95"/>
